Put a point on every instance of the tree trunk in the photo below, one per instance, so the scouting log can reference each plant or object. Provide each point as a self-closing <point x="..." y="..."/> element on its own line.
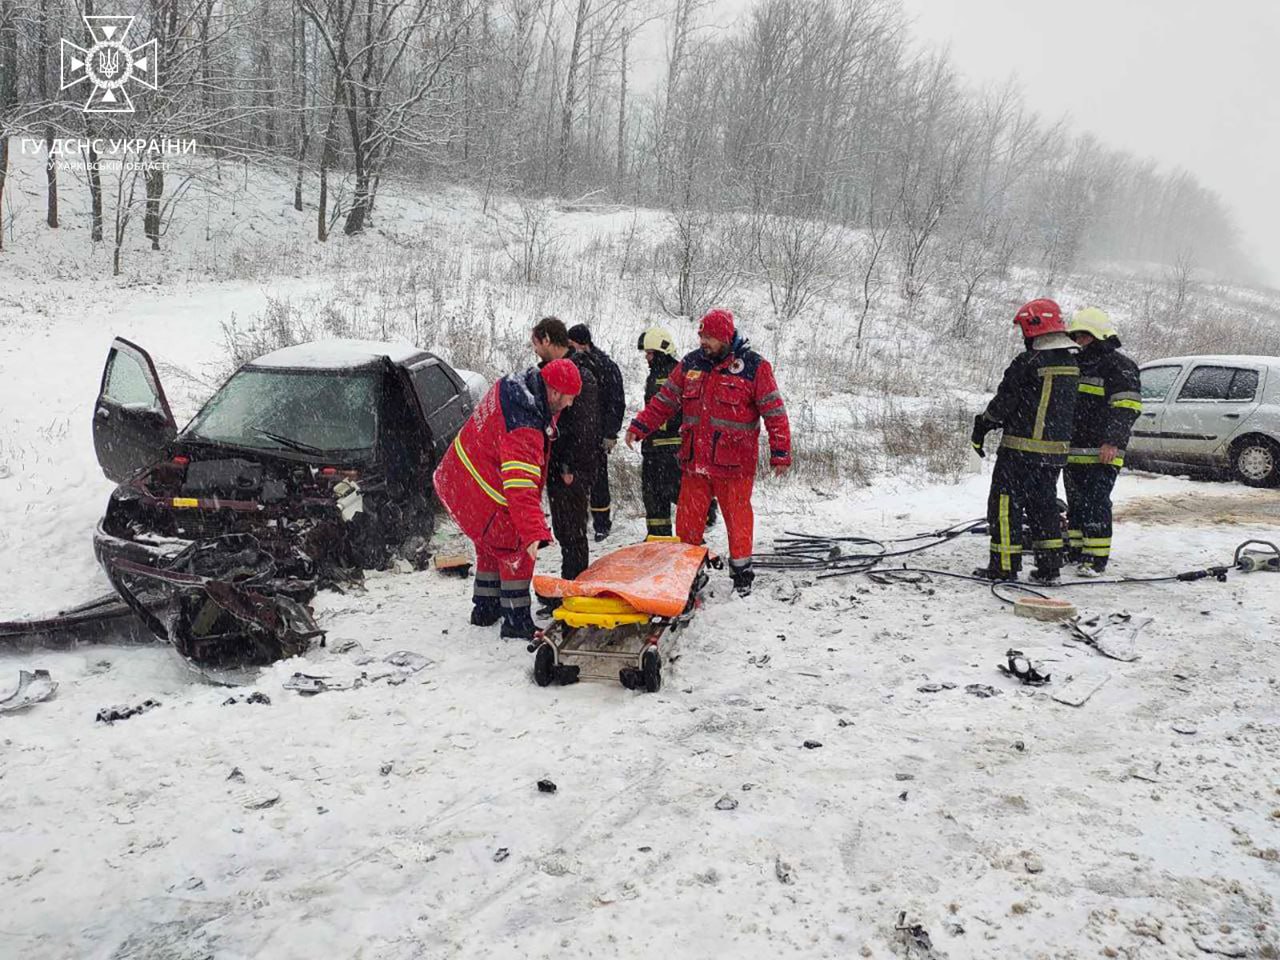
<point x="155" y="190"/>
<point x="304" y="131"/>
<point x="622" y="115"/>
<point x="8" y="92"/>
<point x="50" y="169"/>
<point x="328" y="154"/>
<point x="91" y="157"/>
<point x="571" y="93"/>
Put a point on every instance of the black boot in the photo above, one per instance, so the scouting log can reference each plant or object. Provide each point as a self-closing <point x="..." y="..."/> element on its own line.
<point x="485" y="611"/>
<point x="743" y="577"/>
<point x="1046" y="573"/>
<point x="517" y="624"/>
<point x="995" y="574"/>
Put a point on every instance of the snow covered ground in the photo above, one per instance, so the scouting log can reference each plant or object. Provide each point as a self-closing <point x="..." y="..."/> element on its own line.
<point x="368" y="822"/>
<point x="1012" y="826"/>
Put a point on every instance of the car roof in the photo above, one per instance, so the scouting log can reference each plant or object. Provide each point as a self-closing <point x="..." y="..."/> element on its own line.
<point x="338" y="355"/>
<point x="1223" y="358"/>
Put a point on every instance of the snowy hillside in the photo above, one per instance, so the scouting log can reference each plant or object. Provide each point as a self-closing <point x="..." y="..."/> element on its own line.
<point x="370" y="822"/>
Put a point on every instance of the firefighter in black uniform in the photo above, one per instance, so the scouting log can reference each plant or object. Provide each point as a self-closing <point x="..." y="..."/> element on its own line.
<point x="613" y="407"/>
<point x="1035" y="407"/>
<point x="576" y="457"/>
<point x="660" y="464"/>
<point x="1108" y="405"/>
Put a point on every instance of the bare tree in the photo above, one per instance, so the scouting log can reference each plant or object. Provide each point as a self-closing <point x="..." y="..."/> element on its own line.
<point x="8" y="93"/>
<point x="380" y="85"/>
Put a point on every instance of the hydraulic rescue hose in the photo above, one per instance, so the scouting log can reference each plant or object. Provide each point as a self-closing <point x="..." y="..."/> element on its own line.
<point x="814" y="552"/>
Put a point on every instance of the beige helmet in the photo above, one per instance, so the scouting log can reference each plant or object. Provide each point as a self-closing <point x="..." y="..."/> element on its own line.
<point x="1092" y="321"/>
<point x="658" y="339"/>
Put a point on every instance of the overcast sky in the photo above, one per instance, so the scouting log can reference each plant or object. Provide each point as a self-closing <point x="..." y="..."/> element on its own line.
<point x="1190" y="83"/>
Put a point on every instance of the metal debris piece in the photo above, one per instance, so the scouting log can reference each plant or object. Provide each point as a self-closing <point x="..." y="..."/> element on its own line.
<point x="33" y="687"/>
<point x="935" y="687"/>
<point x="783" y="871"/>
<point x="120" y="712"/>
<point x="726" y="803"/>
<point x="546" y="786"/>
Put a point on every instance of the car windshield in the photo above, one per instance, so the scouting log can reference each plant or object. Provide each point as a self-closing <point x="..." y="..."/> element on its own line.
<point x="303" y="411"/>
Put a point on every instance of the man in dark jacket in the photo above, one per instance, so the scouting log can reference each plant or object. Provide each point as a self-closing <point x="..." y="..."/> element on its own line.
<point x="613" y="406"/>
<point x="1109" y="402"/>
<point x="576" y="451"/>
<point x="1035" y="406"/>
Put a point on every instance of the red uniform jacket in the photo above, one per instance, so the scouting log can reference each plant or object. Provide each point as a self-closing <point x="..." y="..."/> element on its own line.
<point x="722" y="402"/>
<point x="491" y="479"/>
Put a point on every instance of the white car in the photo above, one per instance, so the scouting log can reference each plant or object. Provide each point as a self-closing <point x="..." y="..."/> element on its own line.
<point x="1216" y="412"/>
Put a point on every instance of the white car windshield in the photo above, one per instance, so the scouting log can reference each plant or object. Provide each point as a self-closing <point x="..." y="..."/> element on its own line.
<point x="304" y="411"/>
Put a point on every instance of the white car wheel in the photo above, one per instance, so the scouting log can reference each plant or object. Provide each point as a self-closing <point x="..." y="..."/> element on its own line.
<point x="1256" y="463"/>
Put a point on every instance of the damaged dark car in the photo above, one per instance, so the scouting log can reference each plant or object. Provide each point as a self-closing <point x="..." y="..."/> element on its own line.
<point x="308" y="465"/>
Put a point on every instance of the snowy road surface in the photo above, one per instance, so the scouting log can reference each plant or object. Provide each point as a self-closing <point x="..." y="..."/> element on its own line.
<point x="1012" y="826"/>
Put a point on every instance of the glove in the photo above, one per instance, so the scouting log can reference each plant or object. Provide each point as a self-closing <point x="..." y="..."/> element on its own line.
<point x="610" y="443"/>
<point x="981" y="427"/>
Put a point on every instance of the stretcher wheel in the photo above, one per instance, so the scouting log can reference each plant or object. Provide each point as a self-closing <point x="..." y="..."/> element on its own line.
<point x="651" y="670"/>
<point x="544" y="665"/>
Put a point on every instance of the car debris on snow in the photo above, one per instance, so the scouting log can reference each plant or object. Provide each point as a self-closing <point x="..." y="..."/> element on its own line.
<point x="112" y="714"/>
<point x="256" y="697"/>
<point x="981" y="690"/>
<point x="726" y="803"/>
<point x="1078" y="688"/>
<point x="34" y="686"/>
<point x="501" y="854"/>
<point x="783" y="871"/>
<point x="259" y="801"/>
<point x="1115" y="636"/>
<point x="935" y="687"/>
<point x="914" y="936"/>
<point x="546" y="786"/>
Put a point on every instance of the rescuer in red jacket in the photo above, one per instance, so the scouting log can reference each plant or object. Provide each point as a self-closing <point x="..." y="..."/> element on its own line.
<point x="723" y="391"/>
<point x="491" y="480"/>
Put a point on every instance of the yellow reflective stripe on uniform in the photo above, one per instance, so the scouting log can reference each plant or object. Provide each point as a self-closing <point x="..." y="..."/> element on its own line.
<point x="1006" y="539"/>
<point x="668" y="442"/>
<point x="1046" y="391"/>
<point x="1128" y="404"/>
<point x="1052" y="544"/>
<point x="1058" y="371"/>
<point x="475" y="474"/>
<point x="1096" y="546"/>
<point x="1093" y="389"/>
<point x="1084" y="459"/>
<point x="518" y="483"/>
<point x="522" y="467"/>
<point x="1028" y="445"/>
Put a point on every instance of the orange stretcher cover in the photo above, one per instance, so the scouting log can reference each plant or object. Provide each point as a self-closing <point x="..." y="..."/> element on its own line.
<point x="655" y="578"/>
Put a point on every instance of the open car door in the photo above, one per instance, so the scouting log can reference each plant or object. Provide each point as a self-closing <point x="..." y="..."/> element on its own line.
<point x="132" y="422"/>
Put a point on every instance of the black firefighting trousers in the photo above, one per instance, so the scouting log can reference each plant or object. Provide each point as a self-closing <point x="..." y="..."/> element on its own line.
<point x="660" y="486"/>
<point x="569" y="523"/>
<point x="601" y="501"/>
<point x="1024" y="494"/>
<point x="1089" y="487"/>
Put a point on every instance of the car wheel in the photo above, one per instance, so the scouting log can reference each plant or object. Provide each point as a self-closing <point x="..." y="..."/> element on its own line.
<point x="1256" y="462"/>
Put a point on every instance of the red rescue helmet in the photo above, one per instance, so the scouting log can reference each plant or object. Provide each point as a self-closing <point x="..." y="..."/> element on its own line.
<point x="1040" y="317"/>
